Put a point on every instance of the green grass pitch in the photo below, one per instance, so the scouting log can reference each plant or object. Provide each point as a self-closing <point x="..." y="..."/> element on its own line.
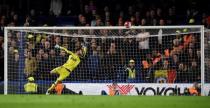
<point x="75" y="101"/>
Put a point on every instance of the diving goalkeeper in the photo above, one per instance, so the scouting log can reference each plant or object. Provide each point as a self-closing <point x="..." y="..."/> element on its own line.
<point x="65" y="70"/>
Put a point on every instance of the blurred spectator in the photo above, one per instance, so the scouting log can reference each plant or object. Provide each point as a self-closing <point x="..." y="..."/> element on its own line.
<point x="133" y="21"/>
<point x="99" y="22"/>
<point x="47" y="46"/>
<point x="143" y="22"/>
<point x="2" y="24"/>
<point x="156" y="65"/>
<point x="52" y="58"/>
<point x="152" y="17"/>
<point x="52" y="53"/>
<point x="130" y="71"/>
<point x="27" y="21"/>
<point x="15" y="20"/>
<point x="137" y="18"/>
<point x="94" y="62"/>
<point x="92" y="5"/>
<point x="82" y="21"/>
<point x="13" y="63"/>
<point x="1" y="57"/>
<point x="175" y="61"/>
<point x="207" y="68"/>
<point x="177" y="47"/>
<point x="161" y="22"/>
<point x="143" y="41"/>
<point x="182" y="74"/>
<point x="56" y="7"/>
<point x="172" y="74"/>
<point x="41" y="52"/>
<point x="148" y="17"/>
<point x="31" y="87"/>
<point x="31" y="48"/>
<point x="130" y="48"/>
<point x="57" y="40"/>
<point x="159" y="14"/>
<point x="154" y="22"/>
<point x="130" y="11"/>
<point x="190" y="56"/>
<point x="87" y="13"/>
<point x="146" y="65"/>
<point x="106" y="14"/>
<point x="112" y="60"/>
<point x="161" y="72"/>
<point x="120" y="23"/>
<point x="171" y="16"/>
<point x="208" y="22"/>
<point x="38" y="59"/>
<point x="30" y="65"/>
<point x="44" y="67"/>
<point x="40" y="43"/>
<point x="122" y="14"/>
<point x="32" y="18"/>
<point x="193" y="72"/>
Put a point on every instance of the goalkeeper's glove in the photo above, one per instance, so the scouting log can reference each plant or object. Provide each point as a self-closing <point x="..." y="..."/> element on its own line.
<point x="57" y="46"/>
<point x="84" y="49"/>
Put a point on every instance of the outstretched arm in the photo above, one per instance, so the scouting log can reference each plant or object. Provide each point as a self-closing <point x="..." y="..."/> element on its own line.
<point x="69" y="52"/>
<point x="62" y="48"/>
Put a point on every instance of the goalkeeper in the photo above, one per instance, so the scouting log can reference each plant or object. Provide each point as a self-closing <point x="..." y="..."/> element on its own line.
<point x="65" y="70"/>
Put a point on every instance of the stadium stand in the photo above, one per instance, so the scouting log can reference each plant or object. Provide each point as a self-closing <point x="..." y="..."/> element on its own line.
<point x="98" y="13"/>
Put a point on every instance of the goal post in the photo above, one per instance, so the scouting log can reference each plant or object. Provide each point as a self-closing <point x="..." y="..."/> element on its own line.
<point x="207" y="61"/>
<point x="5" y="61"/>
<point x="159" y="53"/>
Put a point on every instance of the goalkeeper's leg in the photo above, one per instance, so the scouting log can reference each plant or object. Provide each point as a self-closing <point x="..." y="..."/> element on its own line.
<point x="63" y="73"/>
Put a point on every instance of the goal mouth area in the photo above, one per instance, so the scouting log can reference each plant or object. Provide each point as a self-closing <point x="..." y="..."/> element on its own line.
<point x="118" y="34"/>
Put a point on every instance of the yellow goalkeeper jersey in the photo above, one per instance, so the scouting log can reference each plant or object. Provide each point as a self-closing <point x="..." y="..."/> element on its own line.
<point x="73" y="60"/>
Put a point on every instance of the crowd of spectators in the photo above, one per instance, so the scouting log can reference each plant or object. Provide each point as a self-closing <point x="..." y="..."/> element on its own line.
<point x="103" y="13"/>
<point x="106" y="55"/>
<point x="178" y="57"/>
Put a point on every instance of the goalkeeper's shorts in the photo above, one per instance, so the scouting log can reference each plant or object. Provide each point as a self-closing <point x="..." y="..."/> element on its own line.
<point x="62" y="71"/>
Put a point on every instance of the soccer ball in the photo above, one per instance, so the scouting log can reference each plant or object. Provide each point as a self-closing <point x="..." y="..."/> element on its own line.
<point x="127" y="24"/>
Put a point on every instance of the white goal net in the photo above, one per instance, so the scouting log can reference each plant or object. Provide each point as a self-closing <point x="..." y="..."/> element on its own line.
<point x="115" y="55"/>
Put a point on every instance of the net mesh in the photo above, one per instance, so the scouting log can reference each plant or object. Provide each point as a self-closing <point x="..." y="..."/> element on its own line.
<point x="114" y="55"/>
<point x="207" y="56"/>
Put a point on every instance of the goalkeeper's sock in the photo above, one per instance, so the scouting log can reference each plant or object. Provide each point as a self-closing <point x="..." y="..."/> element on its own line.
<point x="51" y="88"/>
<point x="47" y="93"/>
